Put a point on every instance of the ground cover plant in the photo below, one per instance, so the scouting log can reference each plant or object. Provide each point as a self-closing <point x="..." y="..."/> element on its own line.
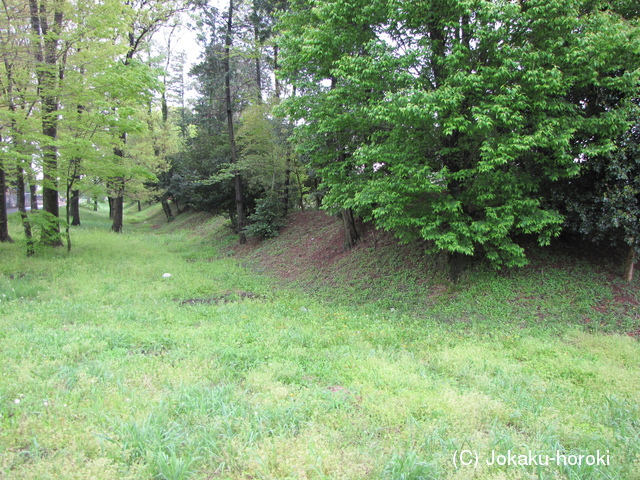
<point x="112" y="369"/>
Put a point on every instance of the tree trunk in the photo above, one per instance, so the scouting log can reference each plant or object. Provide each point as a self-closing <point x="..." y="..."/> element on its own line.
<point x="457" y="264"/>
<point x="118" y="206"/>
<point x="232" y="143"/>
<point x="118" y="199"/>
<point x="287" y="184"/>
<point x="256" y="39"/>
<point x="46" y="55"/>
<point x="139" y="206"/>
<point x="50" y="234"/>
<point x="300" y="189"/>
<point x="67" y="209"/>
<point x="167" y="209"/>
<point x="275" y="70"/>
<point x="22" y="208"/>
<point x="33" y="189"/>
<point x="75" y="208"/>
<point x="350" y="233"/>
<point x="4" y="224"/>
<point x="631" y="260"/>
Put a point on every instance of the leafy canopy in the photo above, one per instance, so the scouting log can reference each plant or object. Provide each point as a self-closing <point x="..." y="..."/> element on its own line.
<point x="445" y="120"/>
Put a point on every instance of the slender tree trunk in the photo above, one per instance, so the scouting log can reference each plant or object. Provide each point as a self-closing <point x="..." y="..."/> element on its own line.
<point x="139" y="206"/>
<point x="167" y="209"/>
<point x="350" y="233"/>
<point x="68" y="218"/>
<point x="300" y="189"/>
<point x="49" y="175"/>
<point x="33" y="189"/>
<point x="275" y="70"/>
<point x="287" y="183"/>
<point x="232" y="143"/>
<point x="22" y="208"/>
<point x="256" y="39"/>
<point x="629" y="267"/>
<point x="117" y="205"/>
<point x="75" y="208"/>
<point x="4" y="224"/>
<point x="110" y="201"/>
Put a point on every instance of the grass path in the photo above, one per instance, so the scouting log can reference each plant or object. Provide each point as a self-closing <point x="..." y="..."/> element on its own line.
<point x="110" y="370"/>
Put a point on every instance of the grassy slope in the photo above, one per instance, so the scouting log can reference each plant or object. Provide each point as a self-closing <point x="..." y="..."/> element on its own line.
<point x="112" y="371"/>
<point x="557" y="291"/>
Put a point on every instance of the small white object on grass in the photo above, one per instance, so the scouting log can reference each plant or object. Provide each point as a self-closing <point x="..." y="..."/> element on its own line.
<point x="166" y="275"/>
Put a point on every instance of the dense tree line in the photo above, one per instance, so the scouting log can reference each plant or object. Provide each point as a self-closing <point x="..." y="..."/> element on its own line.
<point x="236" y="159"/>
<point x="75" y="92"/>
<point x="470" y="125"/>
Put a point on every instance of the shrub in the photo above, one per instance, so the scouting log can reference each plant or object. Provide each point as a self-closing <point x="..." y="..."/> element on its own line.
<point x="267" y="219"/>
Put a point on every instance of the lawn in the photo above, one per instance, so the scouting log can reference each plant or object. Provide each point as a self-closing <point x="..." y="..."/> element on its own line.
<point x="112" y="369"/>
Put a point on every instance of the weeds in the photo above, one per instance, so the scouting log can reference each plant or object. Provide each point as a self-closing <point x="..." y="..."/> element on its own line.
<point x="105" y="375"/>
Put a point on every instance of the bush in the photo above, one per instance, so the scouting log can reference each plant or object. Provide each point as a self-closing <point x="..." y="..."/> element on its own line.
<point x="267" y="219"/>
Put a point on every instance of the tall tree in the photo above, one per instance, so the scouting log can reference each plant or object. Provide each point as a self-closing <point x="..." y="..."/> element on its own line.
<point x="4" y="226"/>
<point x="603" y="204"/>
<point x="145" y="18"/>
<point x="47" y="22"/>
<point x="237" y="179"/>
<point x="18" y="98"/>
<point x="233" y="143"/>
<point x="453" y="116"/>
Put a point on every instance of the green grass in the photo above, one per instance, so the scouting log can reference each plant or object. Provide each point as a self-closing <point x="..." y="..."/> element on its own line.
<point x="110" y="370"/>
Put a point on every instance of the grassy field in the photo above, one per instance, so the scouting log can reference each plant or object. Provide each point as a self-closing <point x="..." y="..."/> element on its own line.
<point x="110" y="369"/>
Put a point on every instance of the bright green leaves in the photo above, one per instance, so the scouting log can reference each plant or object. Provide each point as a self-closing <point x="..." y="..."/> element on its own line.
<point x="447" y="120"/>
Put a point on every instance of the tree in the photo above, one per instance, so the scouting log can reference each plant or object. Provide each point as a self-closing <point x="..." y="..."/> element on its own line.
<point x="4" y="226"/>
<point x="145" y="18"/>
<point x="237" y="179"/>
<point x="445" y="121"/>
<point x="234" y="151"/>
<point x="603" y="204"/>
<point x="71" y="65"/>
<point x="18" y="99"/>
<point x="47" y="24"/>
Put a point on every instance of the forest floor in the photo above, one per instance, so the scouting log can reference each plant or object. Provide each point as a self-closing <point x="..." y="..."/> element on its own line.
<point x="168" y="352"/>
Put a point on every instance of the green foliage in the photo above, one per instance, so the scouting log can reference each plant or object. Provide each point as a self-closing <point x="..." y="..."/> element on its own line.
<point x="45" y="228"/>
<point x="137" y="382"/>
<point x="267" y="219"/>
<point x="142" y="385"/>
<point x="602" y="205"/>
<point x="447" y="122"/>
<point x="408" y="467"/>
<point x="72" y="90"/>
